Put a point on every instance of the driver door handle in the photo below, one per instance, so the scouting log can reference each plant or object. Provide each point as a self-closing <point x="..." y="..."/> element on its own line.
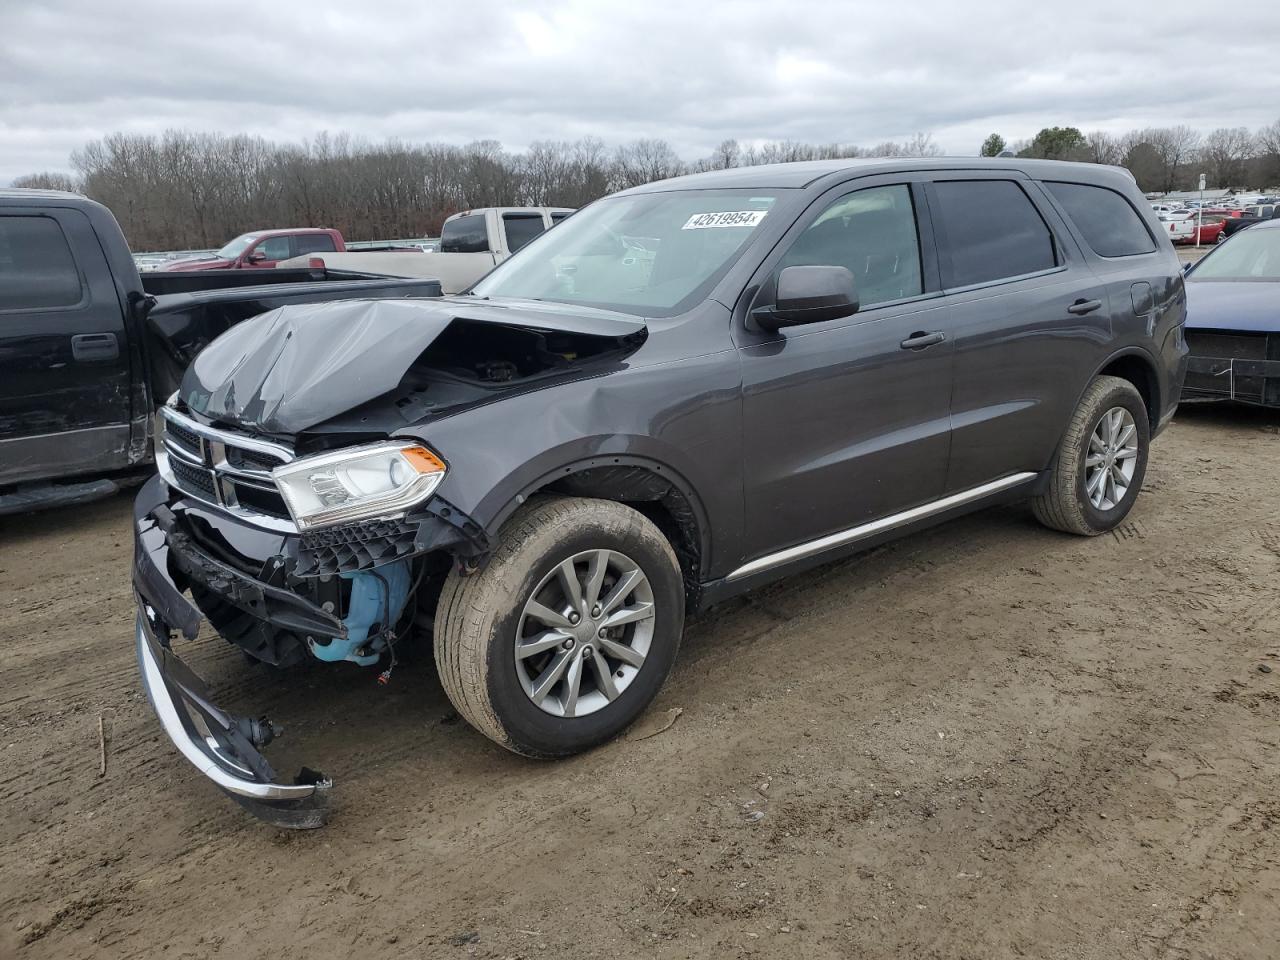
<point x="88" y="347"/>
<point x="1081" y="307"/>
<point x="919" y="340"/>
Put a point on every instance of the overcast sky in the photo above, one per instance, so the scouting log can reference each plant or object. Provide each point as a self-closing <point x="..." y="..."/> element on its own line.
<point x="693" y="72"/>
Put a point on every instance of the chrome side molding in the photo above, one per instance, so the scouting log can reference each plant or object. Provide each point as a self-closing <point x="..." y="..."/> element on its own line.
<point x="863" y="531"/>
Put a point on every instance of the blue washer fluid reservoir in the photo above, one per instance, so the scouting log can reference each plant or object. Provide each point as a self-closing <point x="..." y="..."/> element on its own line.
<point x="377" y="598"/>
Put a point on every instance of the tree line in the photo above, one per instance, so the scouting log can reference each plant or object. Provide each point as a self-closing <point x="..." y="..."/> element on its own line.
<point x="1163" y="159"/>
<point x="182" y="190"/>
<point x="191" y="190"/>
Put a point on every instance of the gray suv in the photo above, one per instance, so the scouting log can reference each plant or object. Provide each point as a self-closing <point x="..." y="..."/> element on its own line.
<point x="681" y="392"/>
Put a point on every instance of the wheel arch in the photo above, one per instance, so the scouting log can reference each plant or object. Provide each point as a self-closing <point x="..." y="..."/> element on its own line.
<point x="649" y="486"/>
<point x="1139" y="368"/>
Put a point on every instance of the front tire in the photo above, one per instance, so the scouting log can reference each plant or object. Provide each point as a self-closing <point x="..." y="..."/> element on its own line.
<point x="566" y="635"/>
<point x="1101" y="462"/>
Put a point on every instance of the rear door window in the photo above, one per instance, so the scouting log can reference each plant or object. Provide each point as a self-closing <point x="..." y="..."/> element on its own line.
<point x="521" y="228"/>
<point x="1109" y="224"/>
<point x="993" y="232"/>
<point x="465" y="235"/>
<point x="313" y="243"/>
<point x="37" y="270"/>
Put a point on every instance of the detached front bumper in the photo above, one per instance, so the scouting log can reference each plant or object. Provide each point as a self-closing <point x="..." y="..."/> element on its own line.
<point x="222" y="746"/>
<point x="219" y="744"/>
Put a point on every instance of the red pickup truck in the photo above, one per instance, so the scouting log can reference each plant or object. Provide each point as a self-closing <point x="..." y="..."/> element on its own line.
<point x="265" y="248"/>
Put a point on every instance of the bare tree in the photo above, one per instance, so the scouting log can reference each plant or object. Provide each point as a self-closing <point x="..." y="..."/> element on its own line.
<point x="1223" y="154"/>
<point x="643" y="161"/>
<point x="1104" y="148"/>
<point x="1174" y="148"/>
<point x="1268" y="149"/>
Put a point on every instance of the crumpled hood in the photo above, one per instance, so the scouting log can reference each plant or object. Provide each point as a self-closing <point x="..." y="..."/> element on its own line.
<point x="1252" y="305"/>
<point x="289" y="369"/>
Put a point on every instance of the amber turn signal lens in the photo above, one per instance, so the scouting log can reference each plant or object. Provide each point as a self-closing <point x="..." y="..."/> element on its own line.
<point x="423" y="460"/>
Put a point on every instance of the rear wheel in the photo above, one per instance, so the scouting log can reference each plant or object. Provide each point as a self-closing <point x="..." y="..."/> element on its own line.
<point x="569" y="631"/>
<point x="1101" y="462"/>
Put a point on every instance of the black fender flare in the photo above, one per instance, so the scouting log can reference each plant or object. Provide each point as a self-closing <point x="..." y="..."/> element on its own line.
<point x="662" y="472"/>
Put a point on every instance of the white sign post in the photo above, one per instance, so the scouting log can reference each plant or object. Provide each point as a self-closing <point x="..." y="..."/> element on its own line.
<point x="1200" y="213"/>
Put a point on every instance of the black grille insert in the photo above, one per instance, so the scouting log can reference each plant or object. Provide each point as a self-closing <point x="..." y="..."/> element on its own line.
<point x="183" y="437"/>
<point x="192" y="479"/>
<point x="260" y="500"/>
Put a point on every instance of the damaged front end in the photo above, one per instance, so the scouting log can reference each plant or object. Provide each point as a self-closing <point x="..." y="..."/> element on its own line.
<point x="297" y="516"/>
<point x="343" y="593"/>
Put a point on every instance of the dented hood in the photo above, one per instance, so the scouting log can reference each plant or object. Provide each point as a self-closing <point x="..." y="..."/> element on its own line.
<point x="289" y="369"/>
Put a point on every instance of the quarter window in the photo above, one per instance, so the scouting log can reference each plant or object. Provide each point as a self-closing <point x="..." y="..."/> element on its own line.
<point x="465" y="235"/>
<point x="37" y="270"/>
<point x="872" y="232"/>
<point x="1109" y="224"/>
<point x="313" y="243"/>
<point x="993" y="232"/>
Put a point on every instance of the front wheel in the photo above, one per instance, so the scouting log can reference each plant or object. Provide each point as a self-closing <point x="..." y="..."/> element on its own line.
<point x="1098" y="469"/>
<point x="567" y="634"/>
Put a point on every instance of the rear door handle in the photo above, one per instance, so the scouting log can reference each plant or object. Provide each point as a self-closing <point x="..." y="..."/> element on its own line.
<point x="87" y="347"/>
<point x="1081" y="307"/>
<point x="919" y="340"/>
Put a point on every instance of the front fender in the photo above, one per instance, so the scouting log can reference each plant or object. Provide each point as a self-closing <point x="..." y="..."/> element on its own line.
<point x="681" y="420"/>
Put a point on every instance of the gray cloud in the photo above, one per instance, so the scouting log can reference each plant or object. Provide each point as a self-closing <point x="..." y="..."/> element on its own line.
<point x="693" y="73"/>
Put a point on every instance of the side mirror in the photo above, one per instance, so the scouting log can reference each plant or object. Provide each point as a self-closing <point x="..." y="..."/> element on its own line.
<point x="1187" y="266"/>
<point x="256" y="257"/>
<point x="810" y="295"/>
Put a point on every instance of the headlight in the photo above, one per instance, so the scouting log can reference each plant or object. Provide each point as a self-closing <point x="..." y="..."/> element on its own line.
<point x="358" y="483"/>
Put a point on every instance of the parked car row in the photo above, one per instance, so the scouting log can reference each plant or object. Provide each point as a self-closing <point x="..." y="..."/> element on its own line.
<point x="1193" y="226"/>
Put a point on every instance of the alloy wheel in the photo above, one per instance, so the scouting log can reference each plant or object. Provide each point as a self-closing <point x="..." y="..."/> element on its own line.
<point x="584" y="633"/>
<point x="1112" y="458"/>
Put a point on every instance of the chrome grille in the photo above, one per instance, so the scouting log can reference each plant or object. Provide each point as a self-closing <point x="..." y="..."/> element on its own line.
<point x="223" y="468"/>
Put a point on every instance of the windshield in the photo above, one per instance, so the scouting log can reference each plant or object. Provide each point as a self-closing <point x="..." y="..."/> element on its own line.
<point x="236" y="246"/>
<point x="653" y="254"/>
<point x="1252" y="254"/>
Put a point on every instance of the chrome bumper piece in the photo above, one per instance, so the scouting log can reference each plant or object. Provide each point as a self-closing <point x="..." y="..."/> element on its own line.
<point x="218" y="744"/>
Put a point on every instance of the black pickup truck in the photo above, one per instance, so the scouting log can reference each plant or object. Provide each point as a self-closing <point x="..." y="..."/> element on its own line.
<point x="89" y="347"/>
<point x="1251" y="215"/>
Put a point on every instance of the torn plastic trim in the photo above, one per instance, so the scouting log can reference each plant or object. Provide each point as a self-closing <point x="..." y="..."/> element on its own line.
<point x="222" y="752"/>
<point x="436" y="526"/>
<point x="274" y="604"/>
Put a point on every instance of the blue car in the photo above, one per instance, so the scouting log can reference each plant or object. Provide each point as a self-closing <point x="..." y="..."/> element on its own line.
<point x="1233" y="320"/>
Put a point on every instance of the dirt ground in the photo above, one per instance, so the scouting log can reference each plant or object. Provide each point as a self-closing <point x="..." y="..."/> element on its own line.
<point x="984" y="741"/>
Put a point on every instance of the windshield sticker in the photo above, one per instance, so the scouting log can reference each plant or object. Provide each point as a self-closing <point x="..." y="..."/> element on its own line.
<point x="727" y="218"/>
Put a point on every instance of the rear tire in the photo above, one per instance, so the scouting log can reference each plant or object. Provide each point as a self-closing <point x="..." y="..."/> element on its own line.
<point x="1101" y="462"/>
<point x="487" y="623"/>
